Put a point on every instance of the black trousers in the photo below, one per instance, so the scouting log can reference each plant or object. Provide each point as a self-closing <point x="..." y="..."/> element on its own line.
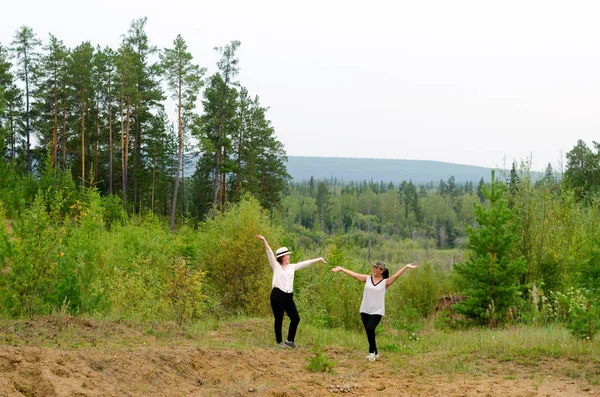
<point x="282" y="302"/>
<point x="371" y="321"/>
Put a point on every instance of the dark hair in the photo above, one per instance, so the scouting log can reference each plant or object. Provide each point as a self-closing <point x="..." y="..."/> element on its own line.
<point x="280" y="259"/>
<point x="386" y="273"/>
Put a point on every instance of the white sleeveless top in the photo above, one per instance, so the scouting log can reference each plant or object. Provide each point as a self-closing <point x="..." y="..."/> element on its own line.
<point x="373" y="301"/>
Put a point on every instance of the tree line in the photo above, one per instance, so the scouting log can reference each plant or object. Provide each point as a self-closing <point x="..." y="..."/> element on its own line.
<point x="105" y="154"/>
<point x="99" y="114"/>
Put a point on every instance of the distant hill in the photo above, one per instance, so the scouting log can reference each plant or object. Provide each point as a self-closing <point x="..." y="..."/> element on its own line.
<point x="301" y="168"/>
<point x="387" y="170"/>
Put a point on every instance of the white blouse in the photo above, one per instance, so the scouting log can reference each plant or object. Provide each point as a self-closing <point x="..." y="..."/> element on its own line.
<point x="284" y="278"/>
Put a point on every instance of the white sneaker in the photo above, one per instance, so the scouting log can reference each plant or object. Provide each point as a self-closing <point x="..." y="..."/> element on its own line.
<point x="372" y="356"/>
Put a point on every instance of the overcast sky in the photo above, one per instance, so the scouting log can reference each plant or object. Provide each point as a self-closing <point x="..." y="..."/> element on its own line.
<point x="469" y="82"/>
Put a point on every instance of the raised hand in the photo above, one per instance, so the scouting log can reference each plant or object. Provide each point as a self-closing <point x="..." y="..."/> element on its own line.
<point x="411" y="266"/>
<point x="336" y="269"/>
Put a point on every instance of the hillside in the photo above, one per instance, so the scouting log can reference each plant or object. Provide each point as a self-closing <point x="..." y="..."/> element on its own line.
<point x="387" y="170"/>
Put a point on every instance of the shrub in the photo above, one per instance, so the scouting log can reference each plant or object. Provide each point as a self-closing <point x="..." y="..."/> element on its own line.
<point x="328" y="299"/>
<point x="234" y="260"/>
<point x="408" y="319"/>
<point x="32" y="268"/>
<point x="421" y="288"/>
<point x="184" y="289"/>
<point x="584" y="319"/>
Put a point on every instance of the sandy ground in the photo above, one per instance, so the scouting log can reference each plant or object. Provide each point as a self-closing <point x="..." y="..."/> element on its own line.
<point x="66" y="356"/>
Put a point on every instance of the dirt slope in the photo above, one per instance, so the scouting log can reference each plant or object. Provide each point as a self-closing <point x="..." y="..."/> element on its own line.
<point x="63" y="356"/>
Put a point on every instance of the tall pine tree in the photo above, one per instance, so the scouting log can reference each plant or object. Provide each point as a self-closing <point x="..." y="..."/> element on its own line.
<point x="184" y="80"/>
<point x="491" y="272"/>
<point x="24" y="48"/>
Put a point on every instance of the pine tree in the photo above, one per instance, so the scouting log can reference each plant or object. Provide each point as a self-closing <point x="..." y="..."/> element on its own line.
<point x="228" y="70"/>
<point x="10" y="106"/>
<point x="214" y="131"/>
<point x="127" y="91"/>
<point x="261" y="166"/>
<point x="323" y="200"/>
<point x="107" y="88"/>
<point x="480" y="187"/>
<point x="50" y="77"/>
<point x="184" y="80"/>
<point x="513" y="184"/>
<point x="161" y="146"/>
<point x="491" y="273"/>
<point x="145" y="100"/>
<point x="82" y="83"/>
<point x="24" y="48"/>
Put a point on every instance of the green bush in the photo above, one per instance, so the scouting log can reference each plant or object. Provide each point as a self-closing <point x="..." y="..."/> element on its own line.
<point x="584" y="319"/>
<point x="5" y="244"/>
<point x="235" y="261"/>
<point x="421" y="288"/>
<point x="31" y="271"/>
<point x="136" y="268"/>
<point x="16" y="191"/>
<point x="408" y="319"/>
<point x="328" y="299"/>
<point x="184" y="290"/>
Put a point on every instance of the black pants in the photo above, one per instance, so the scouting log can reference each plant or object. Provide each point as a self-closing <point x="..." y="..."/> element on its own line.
<point x="283" y="302"/>
<point x="371" y="321"/>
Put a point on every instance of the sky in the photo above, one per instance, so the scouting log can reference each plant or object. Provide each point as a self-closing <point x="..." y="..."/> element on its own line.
<point x="469" y="82"/>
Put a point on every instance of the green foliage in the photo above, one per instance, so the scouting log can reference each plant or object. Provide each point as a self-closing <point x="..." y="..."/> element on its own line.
<point x="31" y="270"/>
<point x="583" y="172"/>
<point x="234" y="262"/>
<point x="491" y="274"/>
<point x="78" y="266"/>
<point x="549" y="217"/>
<point x="319" y="362"/>
<point x="588" y="271"/>
<point x="185" y="292"/>
<point x="443" y="321"/>
<point x="326" y="299"/>
<point x="418" y="291"/>
<point x="137" y="271"/>
<point x="584" y="320"/>
<point x="63" y="258"/>
<point x="408" y="319"/>
<point x="17" y="191"/>
<point x="558" y="306"/>
<point x="6" y="246"/>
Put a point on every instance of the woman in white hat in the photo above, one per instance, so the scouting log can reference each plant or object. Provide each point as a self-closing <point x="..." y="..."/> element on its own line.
<point x="282" y="296"/>
<point x="372" y="307"/>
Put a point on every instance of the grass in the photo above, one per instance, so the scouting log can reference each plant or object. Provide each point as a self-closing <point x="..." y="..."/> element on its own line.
<point x="526" y="343"/>
<point x="430" y="352"/>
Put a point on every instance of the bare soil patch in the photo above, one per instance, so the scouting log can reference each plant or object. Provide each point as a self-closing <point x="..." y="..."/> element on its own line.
<point x="69" y="356"/>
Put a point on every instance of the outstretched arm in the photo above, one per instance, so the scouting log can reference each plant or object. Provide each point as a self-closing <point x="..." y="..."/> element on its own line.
<point x="395" y="276"/>
<point x="267" y="246"/>
<point x="302" y="265"/>
<point x="359" y="277"/>
<point x="272" y="261"/>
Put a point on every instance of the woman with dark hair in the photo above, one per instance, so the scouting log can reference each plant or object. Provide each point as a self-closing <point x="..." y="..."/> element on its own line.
<point x="282" y="295"/>
<point x="372" y="307"/>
